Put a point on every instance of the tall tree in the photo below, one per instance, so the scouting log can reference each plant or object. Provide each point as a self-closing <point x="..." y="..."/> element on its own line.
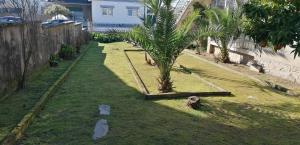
<point x="274" y="22"/>
<point x="162" y="39"/>
<point x="55" y="9"/>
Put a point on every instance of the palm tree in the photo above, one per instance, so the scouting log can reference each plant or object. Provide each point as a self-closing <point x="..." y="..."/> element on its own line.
<point x="222" y="26"/>
<point x="162" y="39"/>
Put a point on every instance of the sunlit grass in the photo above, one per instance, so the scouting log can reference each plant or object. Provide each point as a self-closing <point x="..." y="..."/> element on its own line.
<point x="103" y="77"/>
<point x="182" y="81"/>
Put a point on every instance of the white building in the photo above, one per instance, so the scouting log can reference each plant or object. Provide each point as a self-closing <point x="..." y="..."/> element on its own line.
<point x="119" y="15"/>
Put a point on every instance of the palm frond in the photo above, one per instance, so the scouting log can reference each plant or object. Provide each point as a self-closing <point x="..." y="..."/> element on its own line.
<point x="161" y="38"/>
<point x="153" y="5"/>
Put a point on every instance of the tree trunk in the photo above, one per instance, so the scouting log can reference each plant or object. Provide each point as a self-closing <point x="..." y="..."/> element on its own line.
<point x="224" y="55"/>
<point x="193" y="102"/>
<point x="27" y="48"/>
<point x="198" y="47"/>
<point x="22" y="79"/>
<point x="165" y="83"/>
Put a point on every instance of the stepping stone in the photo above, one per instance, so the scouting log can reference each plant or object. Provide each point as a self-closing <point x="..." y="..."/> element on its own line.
<point x="104" y="109"/>
<point x="101" y="129"/>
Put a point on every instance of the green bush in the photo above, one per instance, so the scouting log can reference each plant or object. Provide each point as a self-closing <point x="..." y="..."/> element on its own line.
<point x="53" y="60"/>
<point x="274" y="23"/>
<point x="67" y="52"/>
<point x="111" y="36"/>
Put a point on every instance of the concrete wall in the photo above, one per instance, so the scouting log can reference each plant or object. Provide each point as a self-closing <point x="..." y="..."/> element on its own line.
<point x="49" y="41"/>
<point x="281" y="64"/>
<point x="120" y="13"/>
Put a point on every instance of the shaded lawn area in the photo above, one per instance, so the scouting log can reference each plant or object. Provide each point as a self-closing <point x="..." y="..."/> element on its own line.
<point x="182" y="82"/>
<point x="14" y="108"/>
<point x="103" y="77"/>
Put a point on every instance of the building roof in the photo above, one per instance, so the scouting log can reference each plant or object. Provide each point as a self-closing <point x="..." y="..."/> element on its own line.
<point x="87" y="1"/>
<point x="124" y="0"/>
<point x="71" y="1"/>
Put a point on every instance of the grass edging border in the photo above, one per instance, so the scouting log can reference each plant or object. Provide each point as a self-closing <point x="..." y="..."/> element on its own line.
<point x="137" y="77"/>
<point x="17" y="132"/>
<point x="171" y="95"/>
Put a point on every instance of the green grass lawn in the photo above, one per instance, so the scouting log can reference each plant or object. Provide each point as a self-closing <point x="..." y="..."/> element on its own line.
<point x="103" y="77"/>
<point x="14" y="108"/>
<point x="182" y="81"/>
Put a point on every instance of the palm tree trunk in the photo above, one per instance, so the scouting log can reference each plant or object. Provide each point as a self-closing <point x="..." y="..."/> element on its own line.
<point x="165" y="83"/>
<point x="224" y="55"/>
<point x="224" y="52"/>
<point x="198" y="47"/>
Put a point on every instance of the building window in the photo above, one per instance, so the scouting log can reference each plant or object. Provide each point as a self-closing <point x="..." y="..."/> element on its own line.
<point x="133" y="11"/>
<point x="107" y="10"/>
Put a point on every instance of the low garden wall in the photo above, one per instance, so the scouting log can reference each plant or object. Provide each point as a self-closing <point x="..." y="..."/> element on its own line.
<point x="281" y="64"/>
<point x="49" y="41"/>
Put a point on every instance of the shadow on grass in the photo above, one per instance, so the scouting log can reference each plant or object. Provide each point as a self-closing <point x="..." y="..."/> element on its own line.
<point x="212" y="76"/>
<point x="13" y="108"/>
<point x="70" y="116"/>
<point x="241" y="83"/>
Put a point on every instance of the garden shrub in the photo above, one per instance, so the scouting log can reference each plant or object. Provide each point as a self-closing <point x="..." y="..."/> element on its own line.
<point x="53" y="60"/>
<point x="111" y="36"/>
<point x="67" y="52"/>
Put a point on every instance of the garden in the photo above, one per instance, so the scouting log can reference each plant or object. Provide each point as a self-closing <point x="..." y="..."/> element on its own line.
<point x="254" y="113"/>
<point x="147" y="76"/>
